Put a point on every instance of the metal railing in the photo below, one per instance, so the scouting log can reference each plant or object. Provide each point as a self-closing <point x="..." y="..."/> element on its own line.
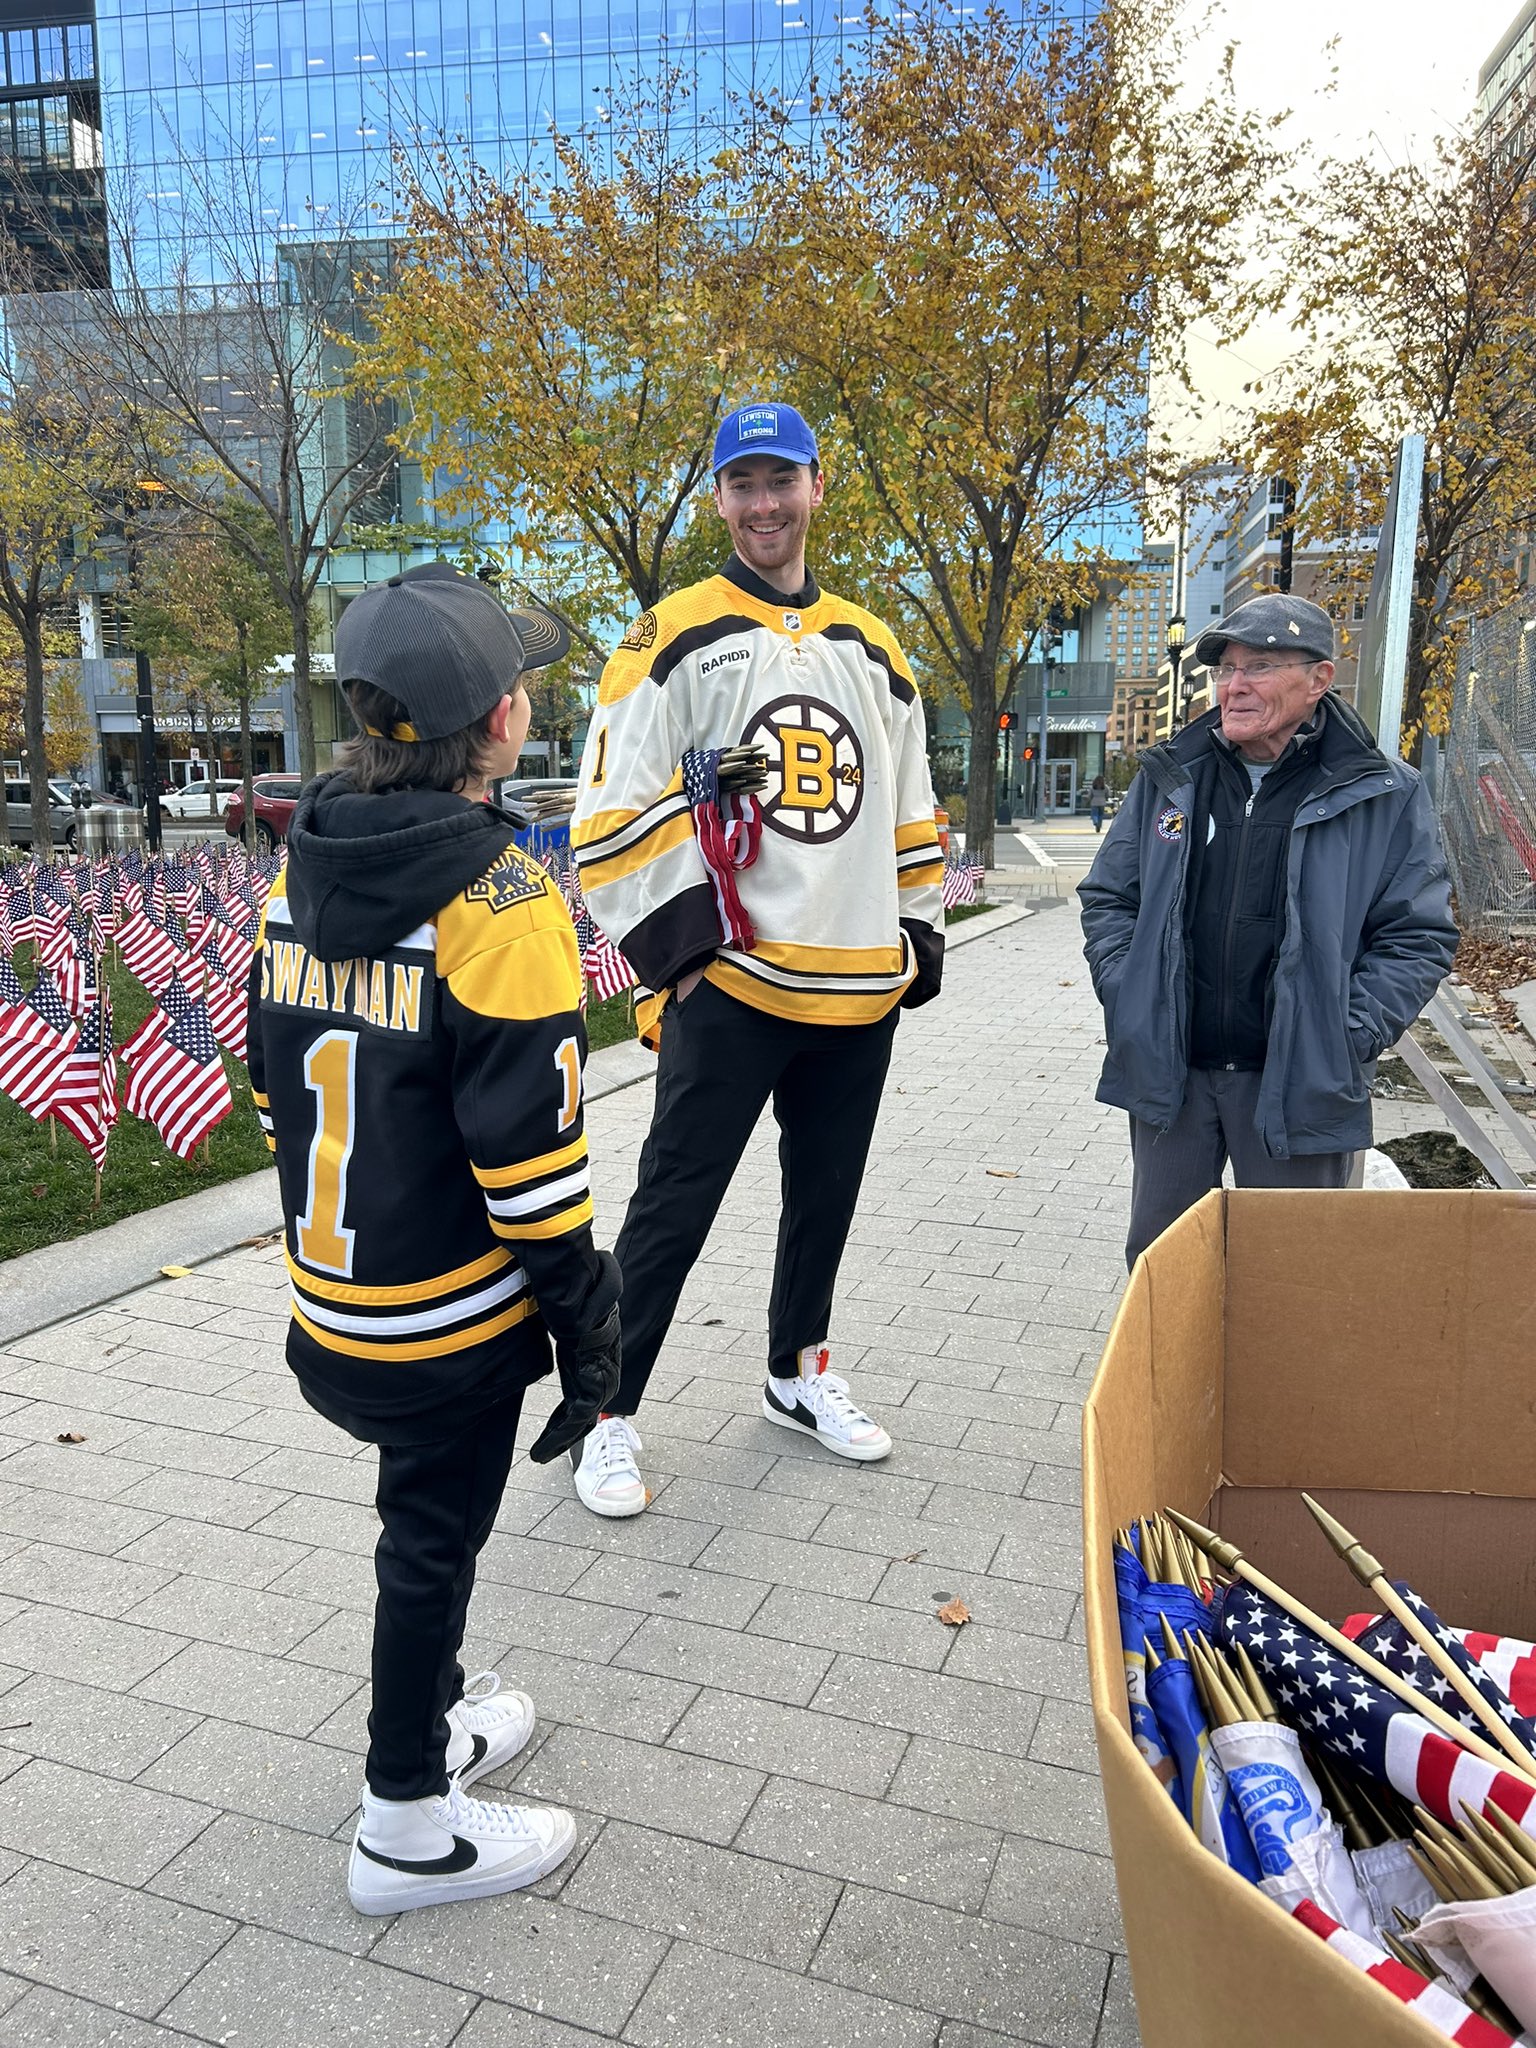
<point x="1487" y="779"/>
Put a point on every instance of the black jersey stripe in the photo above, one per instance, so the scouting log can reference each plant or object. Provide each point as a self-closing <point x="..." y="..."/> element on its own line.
<point x="900" y="687"/>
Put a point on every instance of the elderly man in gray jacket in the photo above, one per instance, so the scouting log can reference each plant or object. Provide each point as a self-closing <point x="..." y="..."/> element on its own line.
<point x="1269" y="911"/>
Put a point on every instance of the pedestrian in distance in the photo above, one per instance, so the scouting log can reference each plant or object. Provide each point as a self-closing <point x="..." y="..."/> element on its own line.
<point x="1098" y="802"/>
<point x="779" y="935"/>
<point x="416" y="1045"/>
<point x="1269" y="911"/>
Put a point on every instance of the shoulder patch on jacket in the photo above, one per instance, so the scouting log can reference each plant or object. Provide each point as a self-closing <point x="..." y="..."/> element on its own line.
<point x="512" y="878"/>
<point x="1170" y="825"/>
<point x="642" y="633"/>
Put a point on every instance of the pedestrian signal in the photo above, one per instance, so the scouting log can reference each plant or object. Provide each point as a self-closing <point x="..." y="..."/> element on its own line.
<point x="1004" y="720"/>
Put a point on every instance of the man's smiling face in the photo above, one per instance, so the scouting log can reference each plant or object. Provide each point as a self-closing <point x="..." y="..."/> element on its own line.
<point x="766" y="504"/>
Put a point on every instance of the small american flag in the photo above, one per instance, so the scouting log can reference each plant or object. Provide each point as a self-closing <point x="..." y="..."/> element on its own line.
<point x="84" y="1097"/>
<point x="27" y="920"/>
<point x="729" y="830"/>
<point x="962" y="879"/>
<point x="1338" y="1707"/>
<point x="228" y="1011"/>
<point x="12" y="994"/>
<point x="174" y="1004"/>
<point x="34" y="1046"/>
<point x="179" y="1084"/>
<point x="606" y="969"/>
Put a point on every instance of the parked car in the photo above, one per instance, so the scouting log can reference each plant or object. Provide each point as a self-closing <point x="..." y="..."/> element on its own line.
<point x="274" y="799"/>
<point x="191" y="800"/>
<point x="63" y="815"/>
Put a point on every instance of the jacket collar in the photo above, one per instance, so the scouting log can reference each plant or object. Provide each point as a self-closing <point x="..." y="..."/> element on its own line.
<point x="1345" y="747"/>
<point x="736" y="571"/>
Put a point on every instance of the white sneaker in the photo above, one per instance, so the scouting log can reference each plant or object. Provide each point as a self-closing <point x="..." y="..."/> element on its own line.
<point x="486" y="1728"/>
<point x="817" y="1404"/>
<point x="607" y="1478"/>
<point x="427" y="1852"/>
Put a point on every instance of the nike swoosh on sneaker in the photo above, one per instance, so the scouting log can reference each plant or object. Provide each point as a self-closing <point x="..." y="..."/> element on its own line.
<point x="798" y="1413"/>
<point x="462" y="1856"/>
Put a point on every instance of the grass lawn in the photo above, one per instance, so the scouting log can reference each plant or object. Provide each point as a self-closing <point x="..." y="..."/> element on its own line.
<point x="962" y="911"/>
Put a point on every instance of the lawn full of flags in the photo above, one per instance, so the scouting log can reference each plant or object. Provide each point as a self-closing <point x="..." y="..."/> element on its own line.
<point x="1376" y="1780"/>
<point x="185" y="927"/>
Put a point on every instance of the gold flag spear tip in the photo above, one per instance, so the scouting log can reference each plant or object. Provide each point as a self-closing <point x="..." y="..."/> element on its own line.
<point x="1431" y="1875"/>
<point x="1517" y="1841"/>
<point x="1154" y="1662"/>
<point x="1268" y="1711"/>
<point x="1232" y="1559"/>
<point x="1498" y="1857"/>
<point x="1340" y="1803"/>
<point x="1371" y="1573"/>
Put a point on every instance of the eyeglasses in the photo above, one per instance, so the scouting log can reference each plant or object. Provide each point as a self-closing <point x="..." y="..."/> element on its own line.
<point x="1227" y="672"/>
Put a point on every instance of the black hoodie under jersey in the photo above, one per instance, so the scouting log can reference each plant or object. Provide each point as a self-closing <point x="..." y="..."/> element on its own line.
<point x="416" y="1048"/>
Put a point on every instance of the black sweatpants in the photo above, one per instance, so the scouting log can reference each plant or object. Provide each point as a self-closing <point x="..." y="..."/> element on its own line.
<point x="720" y="1062"/>
<point x="1171" y="1170"/>
<point x="437" y="1502"/>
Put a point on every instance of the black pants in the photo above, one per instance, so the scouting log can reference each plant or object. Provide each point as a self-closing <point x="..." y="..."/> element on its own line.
<point x="437" y="1502"/>
<point x="720" y="1062"/>
<point x="1172" y="1169"/>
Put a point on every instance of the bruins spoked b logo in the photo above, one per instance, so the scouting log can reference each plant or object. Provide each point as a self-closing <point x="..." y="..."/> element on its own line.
<point x="815" y="768"/>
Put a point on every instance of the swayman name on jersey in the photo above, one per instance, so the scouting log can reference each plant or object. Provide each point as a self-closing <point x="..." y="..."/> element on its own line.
<point x="425" y="1109"/>
<point x="845" y="895"/>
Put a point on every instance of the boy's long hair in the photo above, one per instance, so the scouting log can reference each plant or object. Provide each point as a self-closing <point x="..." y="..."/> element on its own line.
<point x="372" y="764"/>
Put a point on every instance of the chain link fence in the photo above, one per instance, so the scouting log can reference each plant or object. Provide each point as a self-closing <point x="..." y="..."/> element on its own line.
<point x="1487" y="780"/>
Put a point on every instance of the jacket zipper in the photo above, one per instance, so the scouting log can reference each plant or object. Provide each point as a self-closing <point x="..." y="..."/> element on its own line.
<point x="1229" y="935"/>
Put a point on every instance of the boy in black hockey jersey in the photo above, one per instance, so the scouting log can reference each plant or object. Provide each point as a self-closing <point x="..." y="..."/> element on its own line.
<point x="783" y="939"/>
<point x="416" y="1049"/>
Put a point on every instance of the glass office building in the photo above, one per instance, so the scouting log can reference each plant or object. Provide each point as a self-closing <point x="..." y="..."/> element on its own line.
<point x="51" y="198"/>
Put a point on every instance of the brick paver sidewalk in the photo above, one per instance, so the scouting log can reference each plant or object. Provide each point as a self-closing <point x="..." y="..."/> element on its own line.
<point x="810" y="1813"/>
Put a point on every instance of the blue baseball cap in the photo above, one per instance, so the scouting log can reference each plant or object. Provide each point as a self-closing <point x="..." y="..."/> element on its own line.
<point x="764" y="430"/>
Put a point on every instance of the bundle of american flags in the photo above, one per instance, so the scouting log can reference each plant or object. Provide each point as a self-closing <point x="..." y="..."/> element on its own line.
<point x="186" y="927"/>
<point x="962" y="880"/>
<point x="1377" y="1782"/>
<point x="606" y="970"/>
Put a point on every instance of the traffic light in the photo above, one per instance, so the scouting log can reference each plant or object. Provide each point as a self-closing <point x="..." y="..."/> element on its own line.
<point x="1026" y="754"/>
<point x="1004" y="720"/>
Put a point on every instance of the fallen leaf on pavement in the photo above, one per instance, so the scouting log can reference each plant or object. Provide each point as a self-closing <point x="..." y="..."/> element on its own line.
<point x="1002" y="1172"/>
<point x="954" y="1613"/>
<point x="1066" y="984"/>
<point x="912" y="1556"/>
<point x="177" y="1272"/>
<point x="69" y="1436"/>
<point x="256" y="1244"/>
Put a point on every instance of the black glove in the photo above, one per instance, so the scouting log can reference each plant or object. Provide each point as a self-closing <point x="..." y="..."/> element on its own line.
<point x="589" y="1379"/>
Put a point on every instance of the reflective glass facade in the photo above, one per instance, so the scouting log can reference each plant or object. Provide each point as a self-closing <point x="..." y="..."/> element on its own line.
<point x="312" y="91"/>
<point x="51" y="194"/>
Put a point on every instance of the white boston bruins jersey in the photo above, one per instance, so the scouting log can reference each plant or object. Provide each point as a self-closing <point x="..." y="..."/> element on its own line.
<point x="844" y="897"/>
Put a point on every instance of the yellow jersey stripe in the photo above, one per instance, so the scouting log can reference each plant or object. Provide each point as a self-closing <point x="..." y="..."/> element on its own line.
<point x="552" y="1226"/>
<point x="532" y="1169"/>
<point x="409" y="1349"/>
<point x="922" y="832"/>
<point x="408" y="1291"/>
<point x="676" y="831"/>
<point x="923" y="877"/>
<point x="600" y="824"/>
<point x="813" y="1007"/>
<point x="830" y="959"/>
<point x="261" y="1101"/>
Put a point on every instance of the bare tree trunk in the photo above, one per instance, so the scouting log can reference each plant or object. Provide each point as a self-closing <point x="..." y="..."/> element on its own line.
<point x="303" y="701"/>
<point x="34" y="723"/>
<point x="981" y="781"/>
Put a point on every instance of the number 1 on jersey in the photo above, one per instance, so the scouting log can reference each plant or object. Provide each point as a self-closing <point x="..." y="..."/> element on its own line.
<point x="568" y="1066"/>
<point x="329" y="1069"/>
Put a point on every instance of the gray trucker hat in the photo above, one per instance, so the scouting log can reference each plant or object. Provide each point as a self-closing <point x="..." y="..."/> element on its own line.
<point x="444" y="645"/>
<point x="1276" y="623"/>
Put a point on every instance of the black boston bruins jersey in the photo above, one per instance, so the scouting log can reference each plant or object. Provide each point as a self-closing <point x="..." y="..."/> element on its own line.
<point x="424" y="1103"/>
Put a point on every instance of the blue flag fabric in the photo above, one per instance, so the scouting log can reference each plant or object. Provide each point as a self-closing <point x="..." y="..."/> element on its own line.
<point x="1209" y="1806"/>
<point x="1130" y="1594"/>
<point x="1388" y="1641"/>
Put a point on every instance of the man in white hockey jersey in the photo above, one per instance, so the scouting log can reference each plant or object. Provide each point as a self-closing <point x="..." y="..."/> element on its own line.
<point x="780" y="935"/>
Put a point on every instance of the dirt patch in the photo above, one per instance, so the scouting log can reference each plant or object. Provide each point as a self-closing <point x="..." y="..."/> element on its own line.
<point x="1434" y="1159"/>
<point x="1492" y="967"/>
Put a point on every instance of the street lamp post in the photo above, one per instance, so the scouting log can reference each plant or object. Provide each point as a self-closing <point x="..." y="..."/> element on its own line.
<point x="144" y="689"/>
<point x="1175" y="662"/>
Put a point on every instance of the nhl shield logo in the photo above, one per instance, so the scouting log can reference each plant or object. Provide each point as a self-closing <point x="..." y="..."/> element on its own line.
<point x="791" y="622"/>
<point x="1170" y="825"/>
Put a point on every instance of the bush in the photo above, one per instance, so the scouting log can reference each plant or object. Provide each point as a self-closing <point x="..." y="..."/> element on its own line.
<point x="955" y="805"/>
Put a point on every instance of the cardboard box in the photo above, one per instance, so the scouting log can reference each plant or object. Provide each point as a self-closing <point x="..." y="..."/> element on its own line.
<point x="1379" y="1350"/>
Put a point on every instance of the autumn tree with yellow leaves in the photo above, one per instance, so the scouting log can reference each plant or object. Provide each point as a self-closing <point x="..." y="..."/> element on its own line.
<point x="998" y="220"/>
<point x="1416" y="303"/>
<point x="564" y="340"/>
<point x="59" y="457"/>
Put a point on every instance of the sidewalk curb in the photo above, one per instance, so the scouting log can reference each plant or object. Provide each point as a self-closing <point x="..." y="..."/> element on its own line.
<point x="57" y="1281"/>
<point x="997" y="919"/>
